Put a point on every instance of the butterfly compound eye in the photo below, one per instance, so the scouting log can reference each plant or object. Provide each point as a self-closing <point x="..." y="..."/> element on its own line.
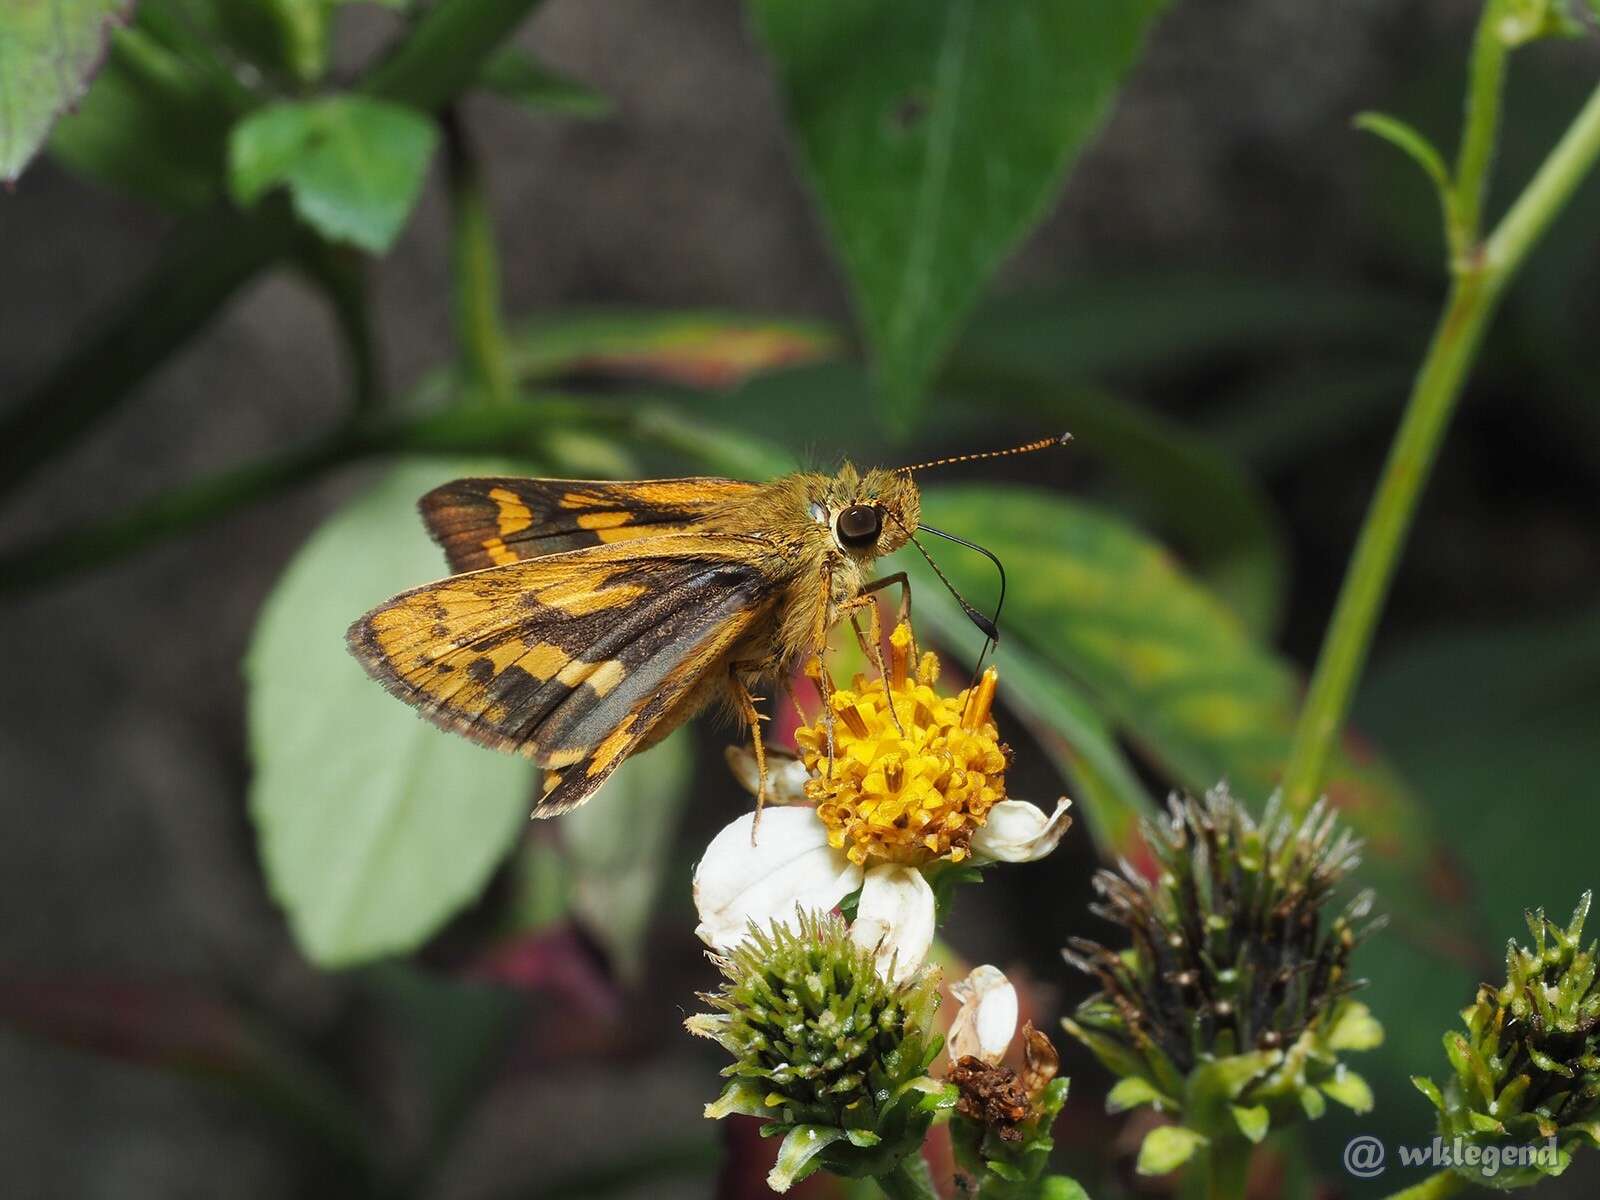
<point x="858" y="526"/>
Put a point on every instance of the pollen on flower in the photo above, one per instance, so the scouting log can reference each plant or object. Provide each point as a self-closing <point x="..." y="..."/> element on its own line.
<point x="907" y="790"/>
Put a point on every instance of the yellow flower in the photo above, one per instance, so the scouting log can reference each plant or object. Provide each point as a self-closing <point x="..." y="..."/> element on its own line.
<point x="912" y="784"/>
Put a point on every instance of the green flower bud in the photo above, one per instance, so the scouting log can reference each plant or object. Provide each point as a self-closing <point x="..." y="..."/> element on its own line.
<point x="1527" y="1070"/>
<point x="828" y="1051"/>
<point x="1231" y="1007"/>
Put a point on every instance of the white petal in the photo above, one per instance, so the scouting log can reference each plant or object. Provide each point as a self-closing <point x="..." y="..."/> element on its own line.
<point x="895" y="920"/>
<point x="1017" y="831"/>
<point x="786" y="776"/>
<point x="987" y="1019"/>
<point x="790" y="865"/>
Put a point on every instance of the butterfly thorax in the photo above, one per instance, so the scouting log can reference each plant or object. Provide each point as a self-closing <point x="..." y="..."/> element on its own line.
<point x="823" y="567"/>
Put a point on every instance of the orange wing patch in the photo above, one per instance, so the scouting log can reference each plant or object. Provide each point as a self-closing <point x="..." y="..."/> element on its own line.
<point x="497" y="522"/>
<point x="572" y="659"/>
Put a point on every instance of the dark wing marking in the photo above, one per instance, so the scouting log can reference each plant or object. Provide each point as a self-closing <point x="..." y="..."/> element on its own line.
<point x="498" y="521"/>
<point x="571" y="660"/>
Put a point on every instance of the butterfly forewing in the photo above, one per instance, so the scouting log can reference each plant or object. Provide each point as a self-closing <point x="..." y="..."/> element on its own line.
<point x="572" y="659"/>
<point x="493" y="522"/>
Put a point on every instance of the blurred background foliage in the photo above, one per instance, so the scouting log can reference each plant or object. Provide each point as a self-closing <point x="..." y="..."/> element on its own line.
<point x="288" y="263"/>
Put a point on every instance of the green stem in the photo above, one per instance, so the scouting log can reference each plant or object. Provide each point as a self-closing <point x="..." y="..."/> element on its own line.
<point x="1435" y="1187"/>
<point x="1473" y="297"/>
<point x="476" y="269"/>
<point x="1485" y="89"/>
<point x="910" y="1180"/>
<point x="1227" y="1168"/>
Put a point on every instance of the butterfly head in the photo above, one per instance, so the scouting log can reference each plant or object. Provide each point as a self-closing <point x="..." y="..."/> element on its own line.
<point x="868" y="515"/>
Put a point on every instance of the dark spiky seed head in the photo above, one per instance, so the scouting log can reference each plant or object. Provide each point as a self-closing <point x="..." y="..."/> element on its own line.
<point x="1231" y="948"/>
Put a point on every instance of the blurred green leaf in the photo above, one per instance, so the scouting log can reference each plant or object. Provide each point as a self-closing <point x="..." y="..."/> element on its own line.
<point x="1059" y="716"/>
<point x="1496" y="726"/>
<point x="353" y="165"/>
<point x="1188" y="488"/>
<point x="935" y="133"/>
<point x="48" y="51"/>
<point x="373" y="826"/>
<point x="152" y="124"/>
<point x="1172" y="669"/>
<point x="617" y="851"/>
<point x="515" y="75"/>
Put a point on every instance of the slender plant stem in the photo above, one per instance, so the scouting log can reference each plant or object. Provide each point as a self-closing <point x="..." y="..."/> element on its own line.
<point x="1437" y="1186"/>
<point x="1485" y="90"/>
<point x="1552" y="186"/>
<point x="476" y="267"/>
<point x="910" y="1180"/>
<point x="1473" y="297"/>
<point x="512" y="429"/>
<point x="1227" y="1164"/>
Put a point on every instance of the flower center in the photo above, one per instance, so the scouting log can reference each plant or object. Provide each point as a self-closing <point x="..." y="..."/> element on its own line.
<point x="911" y="789"/>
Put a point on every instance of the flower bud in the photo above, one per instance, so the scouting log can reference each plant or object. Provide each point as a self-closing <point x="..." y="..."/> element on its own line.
<point x="1526" y="1085"/>
<point x="828" y="1051"/>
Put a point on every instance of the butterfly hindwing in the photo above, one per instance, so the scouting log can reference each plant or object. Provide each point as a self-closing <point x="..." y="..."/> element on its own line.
<point x="572" y="659"/>
<point x="492" y="522"/>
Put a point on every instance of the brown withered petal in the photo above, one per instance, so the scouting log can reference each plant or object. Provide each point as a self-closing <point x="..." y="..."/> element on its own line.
<point x="1040" y="1062"/>
<point x="991" y="1095"/>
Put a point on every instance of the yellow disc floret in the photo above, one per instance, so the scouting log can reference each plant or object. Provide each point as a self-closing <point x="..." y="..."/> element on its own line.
<point x="907" y="790"/>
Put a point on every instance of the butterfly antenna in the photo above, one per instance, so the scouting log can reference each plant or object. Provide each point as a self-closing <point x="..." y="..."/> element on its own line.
<point x="991" y="629"/>
<point x="985" y="626"/>
<point x="1025" y="448"/>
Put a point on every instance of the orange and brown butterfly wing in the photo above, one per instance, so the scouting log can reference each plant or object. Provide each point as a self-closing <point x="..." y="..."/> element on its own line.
<point x="493" y="522"/>
<point x="573" y="659"/>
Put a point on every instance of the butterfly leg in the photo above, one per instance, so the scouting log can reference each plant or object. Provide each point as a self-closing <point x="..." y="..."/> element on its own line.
<point x="747" y="709"/>
<point x="872" y="646"/>
<point x="903" y="609"/>
<point x="824" y="680"/>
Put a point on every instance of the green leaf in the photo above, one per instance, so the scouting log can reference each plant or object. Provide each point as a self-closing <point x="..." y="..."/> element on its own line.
<point x="618" y="850"/>
<point x="49" y="49"/>
<point x="935" y="133"/>
<point x="1355" y="1028"/>
<point x="1169" y="665"/>
<point x="515" y="75"/>
<point x="1130" y="1093"/>
<point x="353" y="165"/>
<point x="1349" y="1089"/>
<point x="373" y="826"/>
<point x="1061" y="719"/>
<point x="797" y="1156"/>
<point x="1194" y="492"/>
<point x="1061" y="1187"/>
<point x="1409" y="141"/>
<point x="1166" y="1148"/>
<point x="1253" y="1121"/>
